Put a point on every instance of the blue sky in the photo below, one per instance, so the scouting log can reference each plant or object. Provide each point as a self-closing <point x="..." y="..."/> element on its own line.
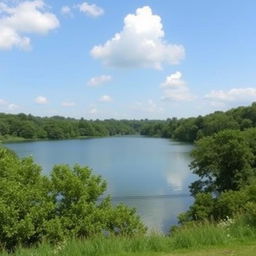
<point x="126" y="59"/>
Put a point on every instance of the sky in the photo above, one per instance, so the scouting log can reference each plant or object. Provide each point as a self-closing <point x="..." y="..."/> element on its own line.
<point x="133" y="59"/>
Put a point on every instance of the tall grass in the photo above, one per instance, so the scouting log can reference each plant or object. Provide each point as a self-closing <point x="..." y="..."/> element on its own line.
<point x="191" y="236"/>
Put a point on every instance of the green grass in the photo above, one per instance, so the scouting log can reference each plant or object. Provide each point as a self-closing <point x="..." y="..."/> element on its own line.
<point x="206" y="239"/>
<point x="10" y="139"/>
<point x="234" y="250"/>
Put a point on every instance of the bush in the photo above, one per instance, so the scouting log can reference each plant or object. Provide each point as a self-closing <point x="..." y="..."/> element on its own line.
<point x="224" y="161"/>
<point x="65" y="205"/>
<point x="229" y="204"/>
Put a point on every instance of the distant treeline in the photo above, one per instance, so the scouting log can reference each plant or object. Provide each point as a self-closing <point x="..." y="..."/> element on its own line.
<point x="184" y="129"/>
<point x="194" y="128"/>
<point x="57" y="127"/>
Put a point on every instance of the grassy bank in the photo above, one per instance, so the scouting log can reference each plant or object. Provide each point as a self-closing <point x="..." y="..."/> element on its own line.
<point x="7" y="138"/>
<point x="226" y="238"/>
<point x="10" y="139"/>
<point x="229" y="250"/>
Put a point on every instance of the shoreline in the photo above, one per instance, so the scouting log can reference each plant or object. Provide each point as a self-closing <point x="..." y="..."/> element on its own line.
<point x="20" y="139"/>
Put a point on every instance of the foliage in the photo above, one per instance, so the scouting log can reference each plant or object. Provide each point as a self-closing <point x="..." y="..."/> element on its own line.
<point x="228" y="204"/>
<point x="65" y="205"/>
<point x="224" y="161"/>
<point x="231" y="234"/>
<point x="184" y="129"/>
<point x="194" y="128"/>
<point x="201" y="209"/>
<point x="31" y="127"/>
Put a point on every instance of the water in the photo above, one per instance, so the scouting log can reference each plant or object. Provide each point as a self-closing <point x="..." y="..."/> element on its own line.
<point x="151" y="174"/>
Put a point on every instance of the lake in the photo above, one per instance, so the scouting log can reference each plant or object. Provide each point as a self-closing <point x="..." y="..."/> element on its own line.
<point x="150" y="174"/>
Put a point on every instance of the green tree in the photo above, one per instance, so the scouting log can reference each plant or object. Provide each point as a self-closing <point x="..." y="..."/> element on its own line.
<point x="25" y="205"/>
<point x="228" y="204"/>
<point x="27" y="130"/>
<point x="4" y="128"/>
<point x="67" y="204"/>
<point x="54" y="131"/>
<point x="224" y="161"/>
<point x="200" y="210"/>
<point x="86" y="128"/>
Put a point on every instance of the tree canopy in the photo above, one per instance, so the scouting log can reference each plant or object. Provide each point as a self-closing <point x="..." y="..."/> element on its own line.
<point x="226" y="166"/>
<point x="224" y="161"/>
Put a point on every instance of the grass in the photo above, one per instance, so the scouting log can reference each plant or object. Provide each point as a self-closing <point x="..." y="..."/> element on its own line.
<point x="205" y="239"/>
<point x="80" y="248"/>
<point x="9" y="138"/>
<point x="14" y="139"/>
<point x="234" y="250"/>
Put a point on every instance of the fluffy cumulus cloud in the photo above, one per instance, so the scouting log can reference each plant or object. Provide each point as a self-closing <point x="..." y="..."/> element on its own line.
<point x="173" y="80"/>
<point x="235" y="94"/>
<point x="98" y="80"/>
<point x="26" y="17"/>
<point x="175" y="88"/>
<point x="105" y="98"/>
<point x="141" y="43"/>
<point x="91" y="9"/>
<point x="41" y="100"/>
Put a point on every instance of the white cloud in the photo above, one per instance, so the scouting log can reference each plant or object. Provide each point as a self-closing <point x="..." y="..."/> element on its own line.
<point x="68" y="104"/>
<point x="98" y="80"/>
<point x="105" y="98"/>
<point x="235" y="94"/>
<point x="173" y="80"/>
<point x="41" y="100"/>
<point x="175" y="88"/>
<point x="66" y="10"/>
<point x="91" y="9"/>
<point x="28" y="17"/>
<point x="140" y="44"/>
<point x="93" y="111"/>
<point x="12" y="106"/>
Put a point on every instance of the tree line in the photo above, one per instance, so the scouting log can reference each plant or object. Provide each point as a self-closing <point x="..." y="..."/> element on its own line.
<point x="184" y="129"/>
<point x="57" y="127"/>
<point x="194" y="128"/>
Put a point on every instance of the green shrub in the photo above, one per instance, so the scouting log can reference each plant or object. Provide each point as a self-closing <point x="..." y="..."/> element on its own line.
<point x="228" y="204"/>
<point x="224" y="161"/>
<point x="65" y="205"/>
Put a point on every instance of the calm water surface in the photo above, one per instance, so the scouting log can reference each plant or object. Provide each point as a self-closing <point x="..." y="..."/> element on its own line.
<point x="151" y="174"/>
